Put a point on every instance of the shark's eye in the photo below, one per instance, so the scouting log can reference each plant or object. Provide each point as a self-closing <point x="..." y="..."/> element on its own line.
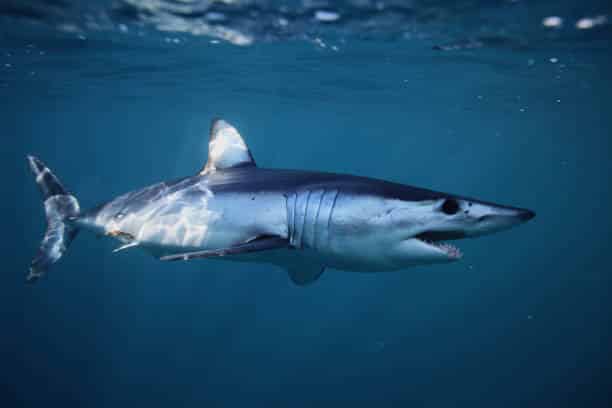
<point x="450" y="206"/>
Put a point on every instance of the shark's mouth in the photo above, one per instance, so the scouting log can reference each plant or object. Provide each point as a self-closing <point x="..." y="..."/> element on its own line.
<point x="434" y="239"/>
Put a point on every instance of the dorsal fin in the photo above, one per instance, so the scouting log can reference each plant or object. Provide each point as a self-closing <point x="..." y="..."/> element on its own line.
<point x="226" y="148"/>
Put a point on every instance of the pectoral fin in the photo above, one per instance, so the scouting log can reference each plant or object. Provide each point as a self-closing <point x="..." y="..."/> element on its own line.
<point x="262" y="243"/>
<point x="303" y="275"/>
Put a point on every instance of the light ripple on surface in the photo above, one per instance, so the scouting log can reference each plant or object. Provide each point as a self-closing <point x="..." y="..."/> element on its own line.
<point x="452" y="25"/>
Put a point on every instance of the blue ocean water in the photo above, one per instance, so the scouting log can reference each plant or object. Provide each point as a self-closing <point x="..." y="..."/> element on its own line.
<point x="486" y="99"/>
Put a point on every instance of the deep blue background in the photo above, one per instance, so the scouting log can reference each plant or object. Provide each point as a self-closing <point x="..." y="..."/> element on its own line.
<point x="523" y="320"/>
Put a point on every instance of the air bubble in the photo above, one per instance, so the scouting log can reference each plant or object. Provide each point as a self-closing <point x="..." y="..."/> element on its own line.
<point x="552" y="22"/>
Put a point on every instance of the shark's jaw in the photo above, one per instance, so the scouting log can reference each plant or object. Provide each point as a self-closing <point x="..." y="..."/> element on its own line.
<point x="450" y="251"/>
<point x="436" y="240"/>
<point x="417" y="250"/>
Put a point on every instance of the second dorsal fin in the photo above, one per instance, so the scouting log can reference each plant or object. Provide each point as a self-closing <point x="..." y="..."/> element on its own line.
<point x="226" y="148"/>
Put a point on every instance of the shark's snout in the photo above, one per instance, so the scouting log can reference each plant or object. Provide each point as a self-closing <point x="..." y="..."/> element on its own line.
<point x="490" y="218"/>
<point x="512" y="217"/>
<point x="526" y="215"/>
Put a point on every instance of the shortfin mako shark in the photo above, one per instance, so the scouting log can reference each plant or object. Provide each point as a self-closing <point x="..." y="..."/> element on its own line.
<point x="302" y="221"/>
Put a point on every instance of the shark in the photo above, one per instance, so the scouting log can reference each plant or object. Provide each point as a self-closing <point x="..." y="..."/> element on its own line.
<point x="301" y="221"/>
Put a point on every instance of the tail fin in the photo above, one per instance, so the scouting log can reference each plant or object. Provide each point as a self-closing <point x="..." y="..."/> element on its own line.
<point x="60" y="208"/>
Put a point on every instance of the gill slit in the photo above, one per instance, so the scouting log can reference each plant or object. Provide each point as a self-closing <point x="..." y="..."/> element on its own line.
<point x="305" y="217"/>
<point x="292" y="237"/>
<point x="316" y="220"/>
<point x="331" y="212"/>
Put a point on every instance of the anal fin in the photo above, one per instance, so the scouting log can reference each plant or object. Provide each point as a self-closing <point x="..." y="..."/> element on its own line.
<point x="259" y="244"/>
<point x="126" y="246"/>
